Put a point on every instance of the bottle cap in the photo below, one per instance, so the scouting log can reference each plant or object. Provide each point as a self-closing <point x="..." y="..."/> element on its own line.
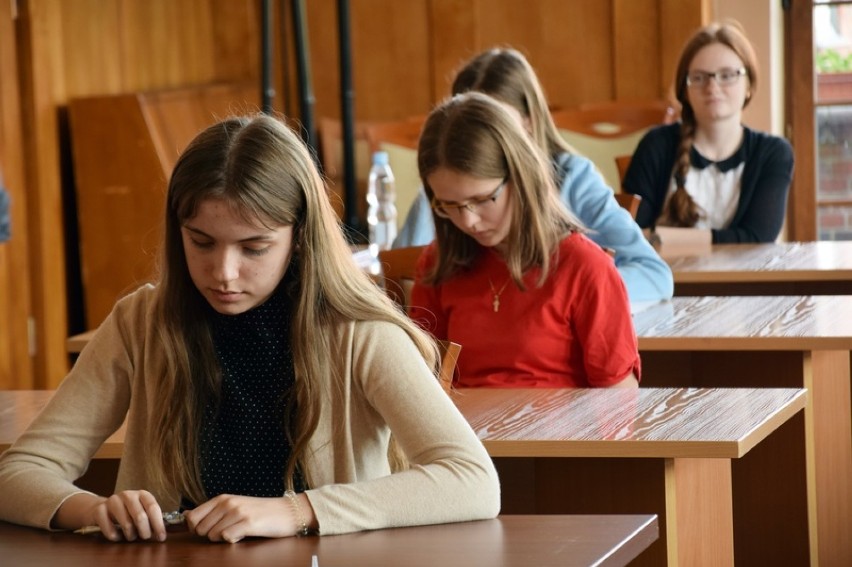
<point x="380" y="158"/>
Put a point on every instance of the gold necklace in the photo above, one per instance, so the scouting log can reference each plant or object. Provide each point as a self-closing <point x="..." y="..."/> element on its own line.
<point x="495" y="303"/>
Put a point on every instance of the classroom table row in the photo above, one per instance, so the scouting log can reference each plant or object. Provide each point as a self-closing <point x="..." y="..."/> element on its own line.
<point x="784" y="341"/>
<point x="654" y="451"/>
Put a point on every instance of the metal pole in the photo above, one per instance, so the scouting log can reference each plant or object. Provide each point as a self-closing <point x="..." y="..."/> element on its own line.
<point x="347" y="97"/>
<point x="303" y="67"/>
<point x="266" y="89"/>
<point x="285" y="62"/>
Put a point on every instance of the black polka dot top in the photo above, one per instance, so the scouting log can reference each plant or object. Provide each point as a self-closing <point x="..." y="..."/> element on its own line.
<point x="244" y="448"/>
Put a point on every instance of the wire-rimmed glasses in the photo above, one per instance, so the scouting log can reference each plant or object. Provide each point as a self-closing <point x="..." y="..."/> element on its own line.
<point x="449" y="210"/>
<point x="724" y="77"/>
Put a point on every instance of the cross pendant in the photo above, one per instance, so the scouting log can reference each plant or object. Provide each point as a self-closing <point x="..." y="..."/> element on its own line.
<point x="496" y="303"/>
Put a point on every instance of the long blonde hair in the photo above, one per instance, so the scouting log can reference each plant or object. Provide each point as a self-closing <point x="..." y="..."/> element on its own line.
<point x="265" y="172"/>
<point x="474" y="134"/>
<point x="681" y="210"/>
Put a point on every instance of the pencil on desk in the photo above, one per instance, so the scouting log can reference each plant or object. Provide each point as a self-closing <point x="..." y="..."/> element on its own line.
<point x="85" y="530"/>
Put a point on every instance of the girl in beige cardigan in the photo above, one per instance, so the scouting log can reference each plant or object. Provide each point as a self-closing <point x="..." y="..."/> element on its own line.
<point x="260" y="379"/>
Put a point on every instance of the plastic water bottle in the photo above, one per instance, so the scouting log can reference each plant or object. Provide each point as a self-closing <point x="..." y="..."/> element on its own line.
<point x="381" y="204"/>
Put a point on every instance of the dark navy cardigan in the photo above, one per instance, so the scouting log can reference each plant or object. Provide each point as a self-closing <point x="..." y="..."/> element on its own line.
<point x="763" y="193"/>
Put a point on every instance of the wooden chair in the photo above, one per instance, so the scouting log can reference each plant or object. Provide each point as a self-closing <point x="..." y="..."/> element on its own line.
<point x="619" y="117"/>
<point x="602" y="131"/>
<point x="630" y="202"/>
<point x="622" y="163"/>
<point x="449" y="356"/>
<point x="404" y="133"/>
<point x="627" y="200"/>
<point x="398" y="270"/>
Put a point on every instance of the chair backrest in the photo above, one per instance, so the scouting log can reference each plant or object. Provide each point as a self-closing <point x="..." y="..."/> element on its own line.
<point x="601" y="131"/>
<point x="449" y="356"/>
<point x="398" y="267"/>
<point x="404" y="133"/>
<point x="399" y="139"/>
<point x="622" y="163"/>
<point x="630" y="202"/>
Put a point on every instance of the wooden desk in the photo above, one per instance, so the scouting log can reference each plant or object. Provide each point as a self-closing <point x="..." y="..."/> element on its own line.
<point x="664" y="451"/>
<point x="772" y="342"/>
<point x="510" y="541"/>
<point x="792" y="268"/>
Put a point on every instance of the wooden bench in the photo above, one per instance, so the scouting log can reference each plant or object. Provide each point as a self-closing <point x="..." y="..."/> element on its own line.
<point x="605" y="451"/>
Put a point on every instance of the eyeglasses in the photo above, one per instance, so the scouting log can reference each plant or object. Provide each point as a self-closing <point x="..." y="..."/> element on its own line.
<point x="724" y="77"/>
<point x="476" y="206"/>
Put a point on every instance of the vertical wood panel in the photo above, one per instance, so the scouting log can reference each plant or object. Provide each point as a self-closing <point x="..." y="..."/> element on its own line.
<point x="43" y="79"/>
<point x="678" y="21"/>
<point x="800" y="126"/>
<point x="454" y="38"/>
<point x="15" y="361"/>
<point x="635" y="35"/>
<point x="569" y="43"/>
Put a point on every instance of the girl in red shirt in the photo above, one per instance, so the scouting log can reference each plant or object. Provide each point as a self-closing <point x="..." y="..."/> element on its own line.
<point x="510" y="276"/>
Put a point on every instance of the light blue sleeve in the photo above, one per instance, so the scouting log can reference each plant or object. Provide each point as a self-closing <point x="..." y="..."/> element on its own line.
<point x="419" y="227"/>
<point x="646" y="276"/>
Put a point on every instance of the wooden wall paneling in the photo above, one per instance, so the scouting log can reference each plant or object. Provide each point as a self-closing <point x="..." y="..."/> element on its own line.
<point x="454" y="38"/>
<point x="15" y="306"/>
<point x="800" y="123"/>
<point x="389" y="56"/>
<point x="75" y="48"/>
<point x="568" y="42"/>
<point x="635" y="35"/>
<point x="390" y="48"/>
<point x="678" y="21"/>
<point x="42" y="78"/>
<point x="86" y="54"/>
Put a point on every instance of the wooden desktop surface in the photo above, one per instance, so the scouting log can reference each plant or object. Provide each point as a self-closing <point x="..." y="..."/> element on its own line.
<point x="820" y="322"/>
<point x="772" y="342"/>
<point x="791" y="268"/>
<point x="510" y="541"/>
<point x="648" y="422"/>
